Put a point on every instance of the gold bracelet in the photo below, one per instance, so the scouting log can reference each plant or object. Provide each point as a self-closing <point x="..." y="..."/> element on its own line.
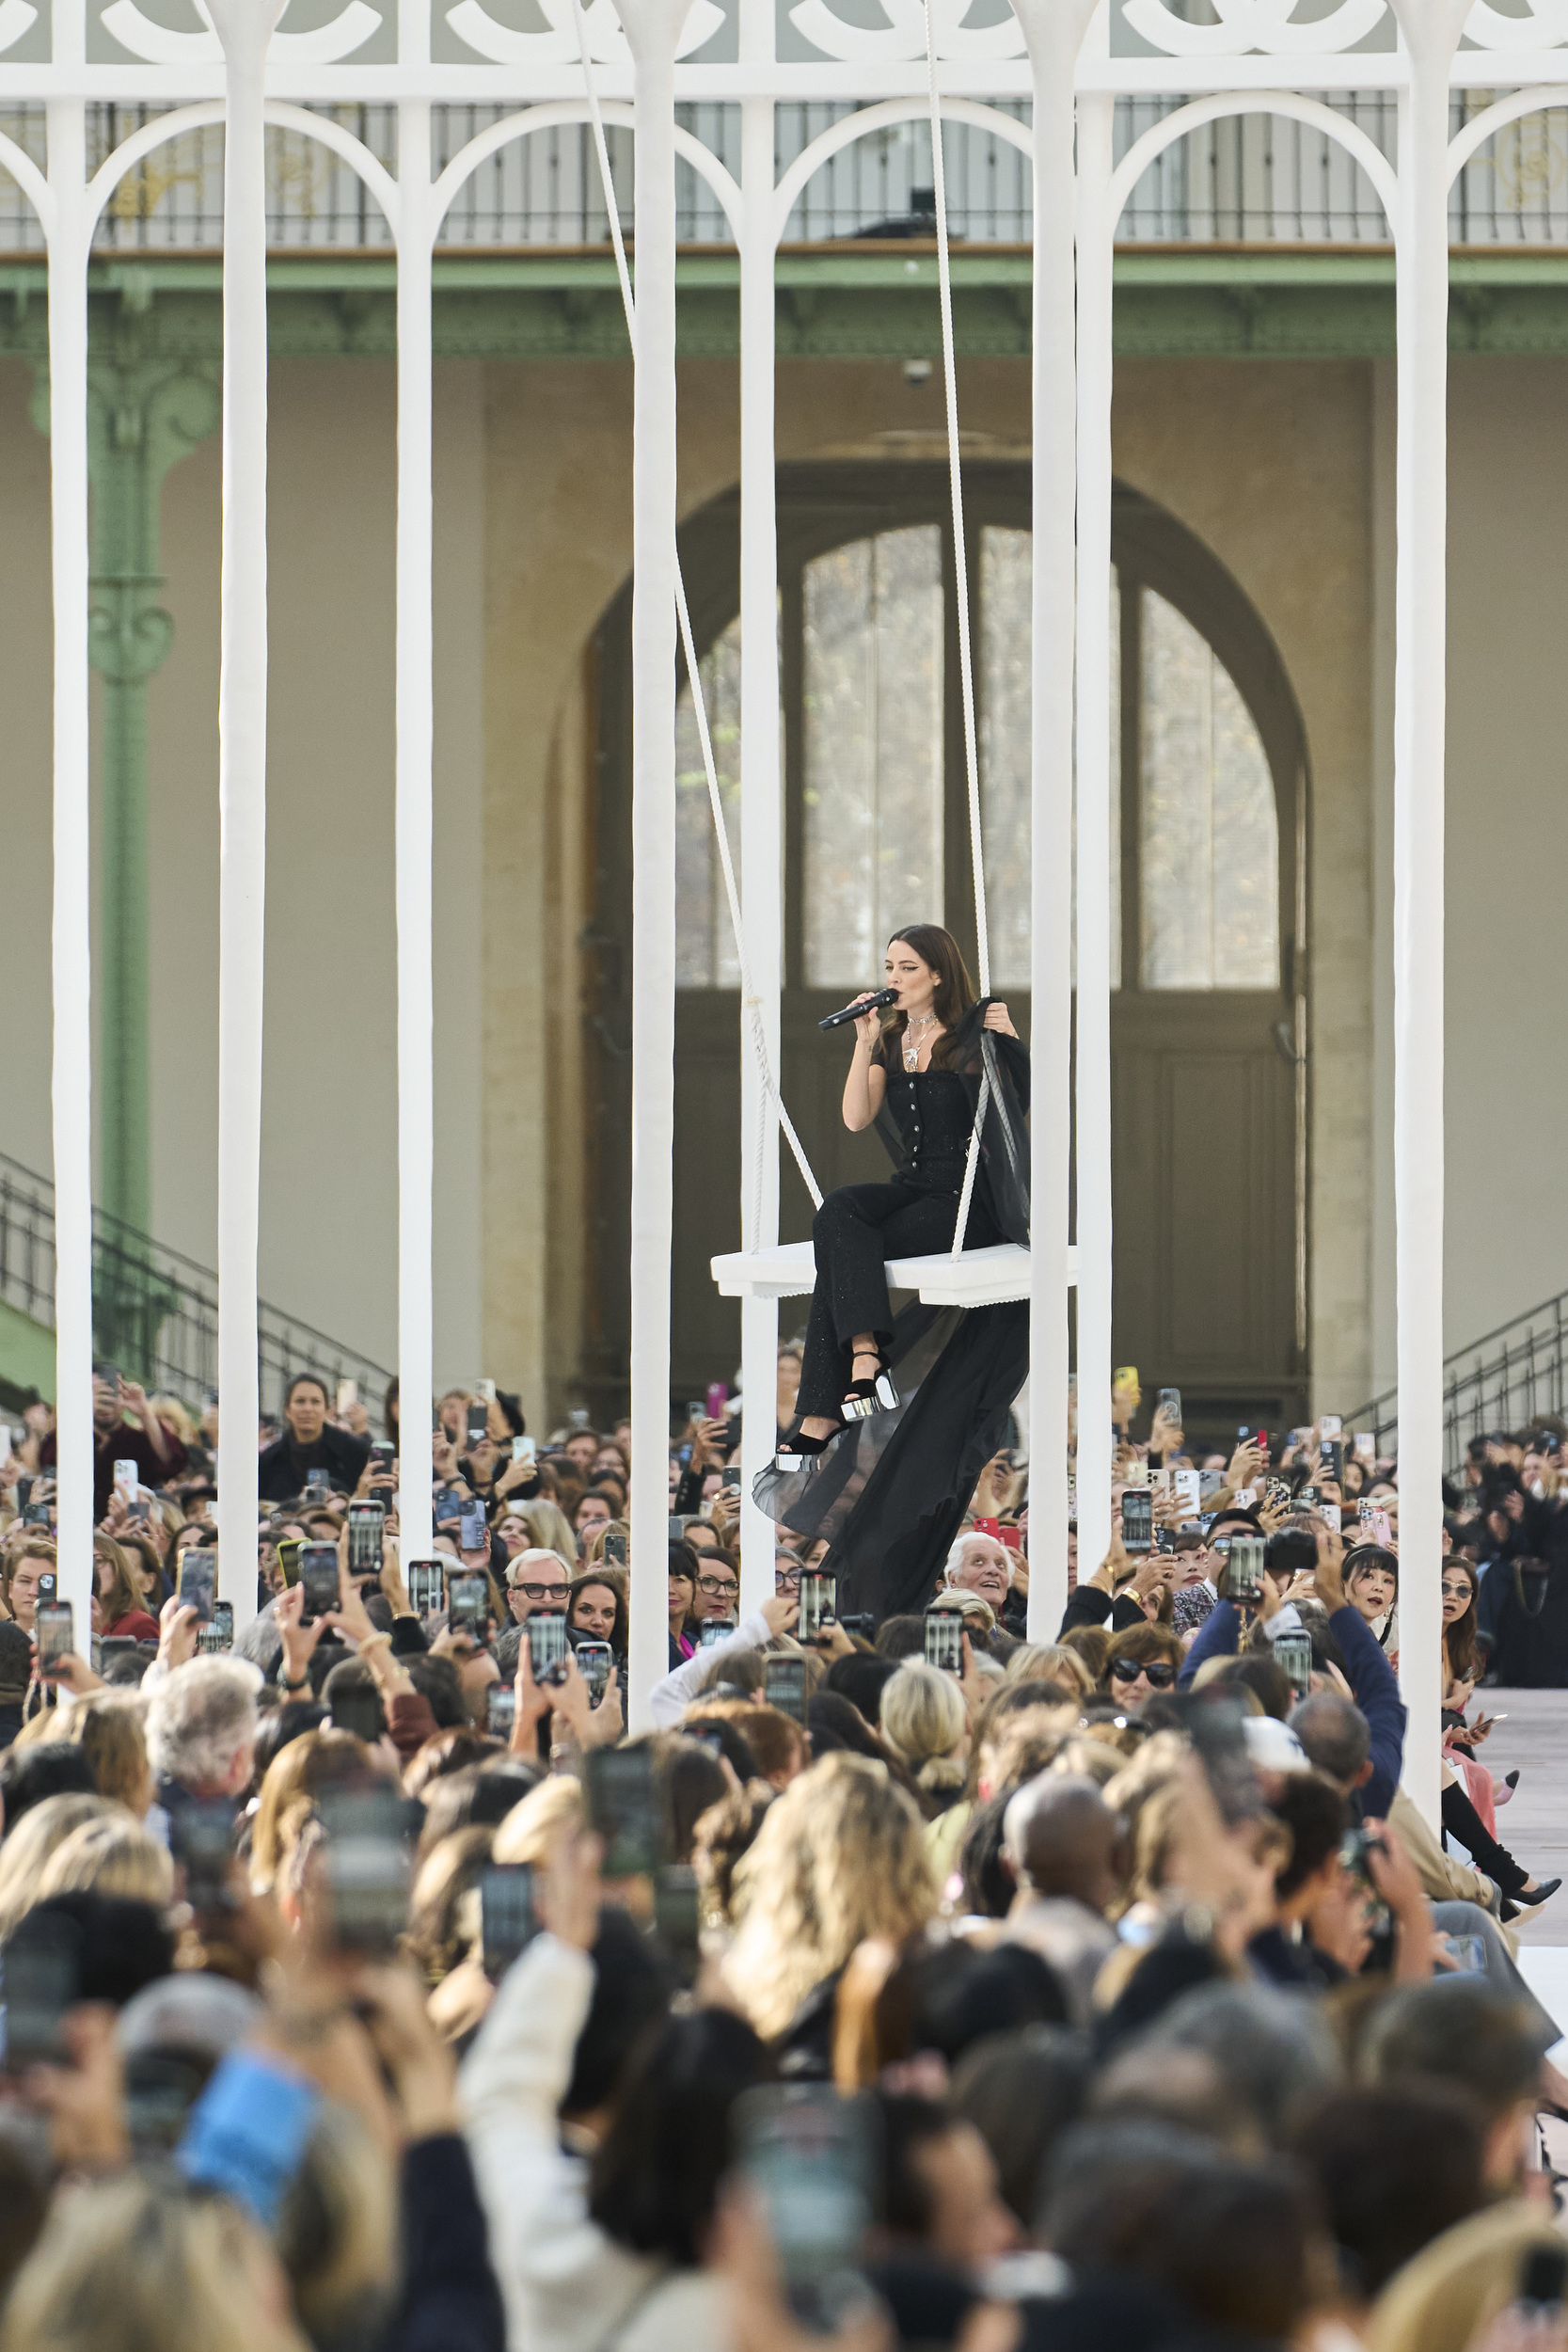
<point x="375" y="1641"/>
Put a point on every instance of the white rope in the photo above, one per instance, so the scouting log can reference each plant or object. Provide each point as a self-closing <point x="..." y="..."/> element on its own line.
<point x="961" y="554"/>
<point x="751" y="1001"/>
<point x="960" y="567"/>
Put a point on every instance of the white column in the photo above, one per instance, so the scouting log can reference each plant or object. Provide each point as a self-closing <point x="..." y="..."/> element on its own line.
<point x="415" y="832"/>
<point x="1431" y="29"/>
<point x="652" y="27"/>
<point x="1054" y="30"/>
<point x="1098" y="809"/>
<point x="69" y="238"/>
<point x="761" y="814"/>
<point x="244" y="27"/>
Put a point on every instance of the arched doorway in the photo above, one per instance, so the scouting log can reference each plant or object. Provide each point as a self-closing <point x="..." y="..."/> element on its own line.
<point x="1209" y="1178"/>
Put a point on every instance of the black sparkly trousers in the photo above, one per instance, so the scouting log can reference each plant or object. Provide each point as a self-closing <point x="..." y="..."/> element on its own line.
<point x="857" y="1228"/>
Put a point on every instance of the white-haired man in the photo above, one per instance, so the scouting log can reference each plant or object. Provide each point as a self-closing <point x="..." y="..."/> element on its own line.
<point x="536" y="1580"/>
<point x="980" y="1563"/>
<point x="202" y="1731"/>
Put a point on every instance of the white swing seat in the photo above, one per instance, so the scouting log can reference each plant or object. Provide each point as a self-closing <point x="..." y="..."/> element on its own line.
<point x="976" y="1277"/>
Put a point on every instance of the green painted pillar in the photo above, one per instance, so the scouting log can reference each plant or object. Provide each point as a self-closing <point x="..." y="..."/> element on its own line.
<point x="147" y="408"/>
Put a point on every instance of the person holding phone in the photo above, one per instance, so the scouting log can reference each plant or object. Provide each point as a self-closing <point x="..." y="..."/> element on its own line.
<point x="155" y="1450"/>
<point x="669" y="1699"/>
<point x="310" y="1442"/>
<point x="21" y="1575"/>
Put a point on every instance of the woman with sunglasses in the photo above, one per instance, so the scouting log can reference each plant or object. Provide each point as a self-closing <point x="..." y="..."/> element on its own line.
<point x="1143" y="1659"/>
<point x="1466" y="1780"/>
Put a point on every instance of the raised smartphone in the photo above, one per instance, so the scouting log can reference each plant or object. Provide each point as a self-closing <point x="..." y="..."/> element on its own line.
<point x="198" y="1582"/>
<point x="506" y="1915"/>
<point x="818" y="1602"/>
<point x="546" y="1647"/>
<point x="595" y="1660"/>
<point x="810" y="2158"/>
<point x="55" y="1634"/>
<point x="944" y="1640"/>
<point x="625" y="1809"/>
<point x="783" y="1686"/>
<point x="1137" y="1520"/>
<point x="318" y="1573"/>
<point x="427" y="1587"/>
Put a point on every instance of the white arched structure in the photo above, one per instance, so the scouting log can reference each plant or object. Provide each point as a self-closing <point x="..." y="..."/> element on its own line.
<point x="1067" y="57"/>
<point x="1103" y="194"/>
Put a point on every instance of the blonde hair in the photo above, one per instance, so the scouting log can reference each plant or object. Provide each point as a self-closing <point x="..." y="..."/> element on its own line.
<point x="108" y="1730"/>
<point x="841" y="1855"/>
<point x="112" y="1856"/>
<point x="438" y="1932"/>
<point x="178" y="1417"/>
<point x="130" y="2262"/>
<point x="594" y="1556"/>
<point x="923" y="1720"/>
<point x="26" y="1851"/>
<point x="307" y="1765"/>
<point x="549" y="1528"/>
<point x="539" y="1822"/>
<point x="1030" y="1662"/>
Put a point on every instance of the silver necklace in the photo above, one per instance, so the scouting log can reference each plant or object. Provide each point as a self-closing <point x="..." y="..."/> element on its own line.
<point x="912" y="1050"/>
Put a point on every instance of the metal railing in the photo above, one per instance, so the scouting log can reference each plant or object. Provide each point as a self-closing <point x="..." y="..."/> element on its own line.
<point x="155" y="1311"/>
<point x="1506" y="1380"/>
<point x="1245" y="179"/>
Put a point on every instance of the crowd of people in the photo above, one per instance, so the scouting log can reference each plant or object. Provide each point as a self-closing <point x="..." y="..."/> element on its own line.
<point x="367" y="1987"/>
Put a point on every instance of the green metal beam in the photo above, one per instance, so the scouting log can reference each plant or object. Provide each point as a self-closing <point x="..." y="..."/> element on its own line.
<point x="147" y="408"/>
<point x="840" y="302"/>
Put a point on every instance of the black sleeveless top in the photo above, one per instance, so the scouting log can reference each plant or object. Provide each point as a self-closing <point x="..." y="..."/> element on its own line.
<point x="933" y="1113"/>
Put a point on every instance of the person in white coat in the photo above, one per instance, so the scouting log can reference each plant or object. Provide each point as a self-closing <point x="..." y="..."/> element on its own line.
<point x="560" y="2132"/>
<point x="669" y="1699"/>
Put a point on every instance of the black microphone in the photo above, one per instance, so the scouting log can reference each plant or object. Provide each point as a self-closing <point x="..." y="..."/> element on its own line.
<point x="853" y="1013"/>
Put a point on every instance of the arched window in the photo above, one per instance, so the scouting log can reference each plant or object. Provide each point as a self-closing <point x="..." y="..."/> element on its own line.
<point x="1208" y="760"/>
<point x="872" y="746"/>
<point x="875" y="815"/>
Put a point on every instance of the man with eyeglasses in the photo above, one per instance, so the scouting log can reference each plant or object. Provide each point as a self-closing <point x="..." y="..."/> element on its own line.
<point x="536" y="1580"/>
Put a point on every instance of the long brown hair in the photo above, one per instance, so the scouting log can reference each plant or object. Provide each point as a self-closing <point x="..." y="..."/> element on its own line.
<point x="123" y="1597"/>
<point x="953" y="996"/>
<point x="1459" y="1639"/>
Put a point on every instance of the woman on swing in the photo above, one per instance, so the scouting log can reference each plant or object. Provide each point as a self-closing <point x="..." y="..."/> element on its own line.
<point x="916" y="1074"/>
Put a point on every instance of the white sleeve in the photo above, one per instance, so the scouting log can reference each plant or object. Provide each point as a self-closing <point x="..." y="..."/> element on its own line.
<point x="669" y="1700"/>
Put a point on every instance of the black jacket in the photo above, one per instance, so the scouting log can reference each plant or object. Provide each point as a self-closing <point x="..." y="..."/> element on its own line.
<point x="451" y="2301"/>
<point x="1090" y="1604"/>
<point x="279" y="1478"/>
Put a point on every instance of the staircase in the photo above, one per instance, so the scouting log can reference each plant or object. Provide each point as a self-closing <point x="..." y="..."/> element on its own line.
<point x="1504" y="1380"/>
<point x="155" y="1311"/>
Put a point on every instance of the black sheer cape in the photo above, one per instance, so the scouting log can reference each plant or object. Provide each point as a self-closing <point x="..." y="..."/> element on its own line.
<point x="890" y="1494"/>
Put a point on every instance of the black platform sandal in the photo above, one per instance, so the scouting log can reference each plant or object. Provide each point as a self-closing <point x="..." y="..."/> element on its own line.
<point x="795" y="1449"/>
<point x="863" y="1398"/>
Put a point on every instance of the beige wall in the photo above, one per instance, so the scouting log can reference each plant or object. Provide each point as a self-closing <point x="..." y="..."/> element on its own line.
<point x="1271" y="466"/>
<point x="1507" y="796"/>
